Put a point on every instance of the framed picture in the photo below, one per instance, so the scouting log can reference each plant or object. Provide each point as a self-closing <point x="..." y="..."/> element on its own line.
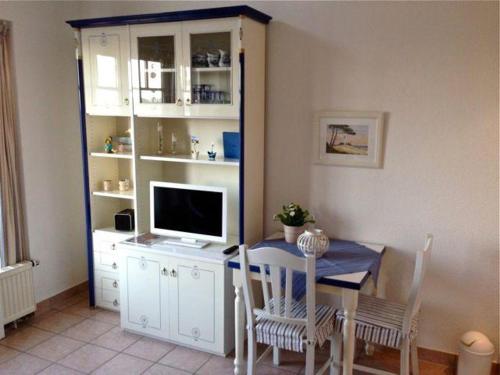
<point x="351" y="139"/>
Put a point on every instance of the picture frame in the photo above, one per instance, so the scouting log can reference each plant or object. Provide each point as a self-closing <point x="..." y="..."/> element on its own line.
<point x="348" y="138"/>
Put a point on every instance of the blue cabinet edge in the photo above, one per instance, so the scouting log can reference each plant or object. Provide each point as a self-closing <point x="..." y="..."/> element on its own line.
<point x="184" y="15"/>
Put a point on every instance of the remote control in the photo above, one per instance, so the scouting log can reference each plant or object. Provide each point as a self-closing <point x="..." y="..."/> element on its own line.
<point x="230" y="250"/>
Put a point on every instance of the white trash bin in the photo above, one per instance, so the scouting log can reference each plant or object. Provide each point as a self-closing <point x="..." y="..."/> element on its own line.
<point x="476" y="352"/>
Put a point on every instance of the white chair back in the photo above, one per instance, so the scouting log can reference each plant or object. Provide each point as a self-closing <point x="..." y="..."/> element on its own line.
<point x="270" y="262"/>
<point x="415" y="298"/>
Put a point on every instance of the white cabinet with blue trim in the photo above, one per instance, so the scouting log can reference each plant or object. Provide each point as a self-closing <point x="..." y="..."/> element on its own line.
<point x="154" y="82"/>
<point x="187" y="300"/>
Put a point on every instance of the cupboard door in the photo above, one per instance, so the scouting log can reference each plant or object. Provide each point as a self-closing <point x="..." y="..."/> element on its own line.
<point x="211" y="68"/>
<point x="144" y="291"/>
<point x="194" y="288"/>
<point x="156" y="70"/>
<point x="105" y="66"/>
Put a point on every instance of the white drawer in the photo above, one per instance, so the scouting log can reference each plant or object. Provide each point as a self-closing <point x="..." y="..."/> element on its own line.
<point x="107" y="242"/>
<point x="108" y="299"/>
<point x="107" y="280"/>
<point x="106" y="262"/>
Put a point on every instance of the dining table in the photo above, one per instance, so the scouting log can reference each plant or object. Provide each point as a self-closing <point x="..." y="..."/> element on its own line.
<point x="346" y="285"/>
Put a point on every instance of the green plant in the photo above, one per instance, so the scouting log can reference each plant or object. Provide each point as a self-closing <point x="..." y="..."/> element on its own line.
<point x="294" y="216"/>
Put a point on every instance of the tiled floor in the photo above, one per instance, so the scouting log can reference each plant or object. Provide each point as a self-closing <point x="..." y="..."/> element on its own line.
<point x="74" y="339"/>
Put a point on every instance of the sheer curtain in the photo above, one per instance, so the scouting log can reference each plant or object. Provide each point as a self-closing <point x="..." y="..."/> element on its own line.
<point x="15" y="245"/>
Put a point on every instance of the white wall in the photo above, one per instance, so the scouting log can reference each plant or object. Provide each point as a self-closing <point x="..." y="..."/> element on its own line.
<point x="432" y="67"/>
<point x="50" y="141"/>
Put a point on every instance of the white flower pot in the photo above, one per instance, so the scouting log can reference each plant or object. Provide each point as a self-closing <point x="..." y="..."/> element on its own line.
<point x="292" y="233"/>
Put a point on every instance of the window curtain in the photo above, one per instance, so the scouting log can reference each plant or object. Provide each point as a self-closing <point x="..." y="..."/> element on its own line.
<point x="15" y="244"/>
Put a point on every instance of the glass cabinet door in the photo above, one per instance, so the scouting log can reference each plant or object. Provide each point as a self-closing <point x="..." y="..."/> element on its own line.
<point x="105" y="59"/>
<point x="212" y="68"/>
<point x="156" y="70"/>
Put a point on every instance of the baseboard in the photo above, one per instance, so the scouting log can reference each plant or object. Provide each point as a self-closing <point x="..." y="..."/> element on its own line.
<point x="60" y="298"/>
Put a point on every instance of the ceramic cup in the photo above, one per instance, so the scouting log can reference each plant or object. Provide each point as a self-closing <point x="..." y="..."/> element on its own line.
<point x="123" y="185"/>
<point x="107" y="185"/>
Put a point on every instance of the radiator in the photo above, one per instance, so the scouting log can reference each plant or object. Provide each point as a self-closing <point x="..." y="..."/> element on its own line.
<point x="17" y="297"/>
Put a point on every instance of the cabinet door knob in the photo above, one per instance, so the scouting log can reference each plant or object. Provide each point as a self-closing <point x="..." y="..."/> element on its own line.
<point x="113" y="246"/>
<point x="179" y="102"/>
<point x="188" y="101"/>
<point x="115" y="303"/>
<point x="114" y="266"/>
<point x="126" y="101"/>
<point x="164" y="272"/>
<point x="115" y="284"/>
<point x="173" y="273"/>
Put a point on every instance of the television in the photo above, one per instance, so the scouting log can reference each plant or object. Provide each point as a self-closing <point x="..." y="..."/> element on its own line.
<point x="193" y="215"/>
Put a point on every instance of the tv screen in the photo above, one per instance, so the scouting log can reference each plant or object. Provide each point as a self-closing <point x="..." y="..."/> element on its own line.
<point x="188" y="210"/>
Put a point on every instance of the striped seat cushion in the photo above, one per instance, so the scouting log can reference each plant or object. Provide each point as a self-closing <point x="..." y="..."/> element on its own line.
<point x="291" y="336"/>
<point x="378" y="321"/>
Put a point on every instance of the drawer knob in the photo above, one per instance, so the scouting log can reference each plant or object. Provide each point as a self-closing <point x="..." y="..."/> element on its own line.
<point x="143" y="263"/>
<point x="115" y="284"/>
<point x="113" y="246"/>
<point x="179" y="102"/>
<point x="173" y="273"/>
<point x="115" y="303"/>
<point x="164" y="271"/>
<point x="195" y="273"/>
<point x="196" y="333"/>
<point x="125" y="101"/>
<point x="144" y="321"/>
<point x="114" y="266"/>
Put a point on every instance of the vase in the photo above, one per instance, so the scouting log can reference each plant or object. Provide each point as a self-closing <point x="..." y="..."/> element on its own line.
<point x="292" y="233"/>
<point x="313" y="241"/>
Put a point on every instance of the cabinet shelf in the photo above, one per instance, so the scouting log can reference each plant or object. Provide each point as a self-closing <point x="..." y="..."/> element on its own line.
<point x="187" y="159"/>
<point x="212" y="69"/>
<point x="129" y="194"/>
<point x="118" y="155"/>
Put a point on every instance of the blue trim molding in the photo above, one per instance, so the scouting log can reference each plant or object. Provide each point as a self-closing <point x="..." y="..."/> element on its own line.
<point x="242" y="148"/>
<point x="86" y="186"/>
<point x="184" y="15"/>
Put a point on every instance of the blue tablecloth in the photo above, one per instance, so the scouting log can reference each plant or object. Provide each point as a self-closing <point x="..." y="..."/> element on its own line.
<point x="341" y="257"/>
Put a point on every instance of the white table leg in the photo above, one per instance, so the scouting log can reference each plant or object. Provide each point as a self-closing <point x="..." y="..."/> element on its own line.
<point x="239" y="331"/>
<point x="350" y="304"/>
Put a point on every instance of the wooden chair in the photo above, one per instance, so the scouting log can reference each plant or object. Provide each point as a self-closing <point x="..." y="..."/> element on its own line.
<point x="387" y="323"/>
<point x="284" y="323"/>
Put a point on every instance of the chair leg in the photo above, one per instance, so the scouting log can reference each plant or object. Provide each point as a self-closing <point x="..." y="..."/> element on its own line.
<point x="335" y="353"/>
<point x="310" y="359"/>
<point x="252" y="353"/>
<point x="414" y="357"/>
<point x="405" y="357"/>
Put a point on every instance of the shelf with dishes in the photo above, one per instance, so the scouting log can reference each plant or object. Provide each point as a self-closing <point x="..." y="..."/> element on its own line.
<point x="127" y="194"/>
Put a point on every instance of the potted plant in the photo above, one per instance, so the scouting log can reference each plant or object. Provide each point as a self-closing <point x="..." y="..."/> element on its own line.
<point x="294" y="218"/>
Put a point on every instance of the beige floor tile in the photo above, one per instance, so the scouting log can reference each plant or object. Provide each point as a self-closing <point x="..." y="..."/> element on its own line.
<point x="158" y="369"/>
<point x="267" y="370"/>
<point x="58" y="321"/>
<point x="116" y="339"/>
<point x="149" y="349"/>
<point x="25" y="338"/>
<point x="217" y="366"/>
<point x="185" y="359"/>
<point x="56" y="348"/>
<point x="7" y="353"/>
<point x="81" y="308"/>
<point x="87" y="330"/>
<point x="293" y="361"/>
<point x="61" y="305"/>
<point x="124" y="364"/>
<point x="56" y="369"/>
<point x="88" y="358"/>
<point x="23" y="364"/>
<point x="106" y="316"/>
